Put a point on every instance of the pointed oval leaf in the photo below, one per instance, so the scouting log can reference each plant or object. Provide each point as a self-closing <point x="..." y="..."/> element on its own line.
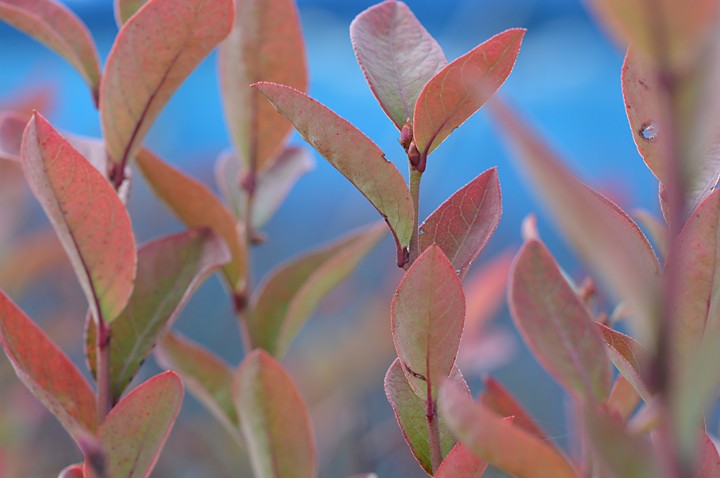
<point x="196" y="206"/>
<point x="89" y="217"/>
<point x="503" y="445"/>
<point x="463" y="224"/>
<point x="12" y="126"/>
<point x="274" y="419"/>
<point x="124" y="9"/>
<point x="428" y="312"/>
<point x="462" y="87"/>
<point x="556" y="325"/>
<point x="266" y="44"/>
<point x="607" y="240"/>
<point x="461" y="462"/>
<point x="499" y="400"/>
<point x="59" y="29"/>
<point x="629" y="357"/>
<point x="135" y="430"/>
<point x="350" y="152"/>
<point x="153" y="54"/>
<point x="397" y="55"/>
<point x="289" y="295"/>
<point x="46" y="371"/>
<point x="170" y="269"/>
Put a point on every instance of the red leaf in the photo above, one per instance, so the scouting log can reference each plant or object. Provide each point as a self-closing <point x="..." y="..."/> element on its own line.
<point x="556" y="325"/>
<point x="274" y="419"/>
<point x="499" y="400"/>
<point x="629" y="357"/>
<point x="73" y="471"/>
<point x="89" y="217"/>
<point x="461" y="462"/>
<point x="709" y="461"/>
<point x="462" y="87"/>
<point x="428" y="311"/>
<point x="397" y="55"/>
<point x="59" y="29"/>
<point x="266" y="44"/>
<point x="153" y="54"/>
<point x="47" y="372"/>
<point x="623" y="398"/>
<point x="463" y="224"/>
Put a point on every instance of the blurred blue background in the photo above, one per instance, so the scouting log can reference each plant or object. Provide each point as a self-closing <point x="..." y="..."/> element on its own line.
<point x="566" y="81"/>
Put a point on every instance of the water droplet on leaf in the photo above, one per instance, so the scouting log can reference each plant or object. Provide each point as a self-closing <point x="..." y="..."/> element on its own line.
<point x="648" y="132"/>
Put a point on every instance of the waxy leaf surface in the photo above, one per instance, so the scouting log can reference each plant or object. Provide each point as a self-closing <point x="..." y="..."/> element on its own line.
<point x="266" y="44"/>
<point x="153" y="54"/>
<point x="135" y="430"/>
<point x="59" y="29"/>
<point x="124" y="9"/>
<point x="169" y="271"/>
<point x="350" y="152"/>
<point x="397" y="55"/>
<point x="556" y="325"/>
<point x="196" y="206"/>
<point x="462" y="87"/>
<point x="498" y="441"/>
<point x="274" y="419"/>
<point x="462" y="462"/>
<point x="427" y="316"/>
<point x="499" y="400"/>
<point x="89" y="217"/>
<point x="12" y="126"/>
<point x="46" y="371"/>
<point x="289" y="295"/>
<point x="463" y="224"/>
<point x="628" y="356"/>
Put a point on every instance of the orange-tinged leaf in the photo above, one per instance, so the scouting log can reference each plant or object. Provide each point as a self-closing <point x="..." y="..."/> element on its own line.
<point x="124" y="9"/>
<point x="556" y="325"/>
<point x="12" y="126"/>
<point x="288" y="296"/>
<point x="46" y="371"/>
<point x="629" y="357"/>
<point x="499" y="400"/>
<point x="498" y="441"/>
<point x="427" y="316"/>
<point x="461" y="462"/>
<point x="274" y="419"/>
<point x="153" y="54"/>
<point x="353" y="154"/>
<point x="623" y="398"/>
<point x="397" y="55"/>
<point x="266" y="44"/>
<point x="135" y="430"/>
<point x="196" y="206"/>
<point x="89" y="217"/>
<point x="462" y="87"/>
<point x="59" y="29"/>
<point x="463" y="224"/>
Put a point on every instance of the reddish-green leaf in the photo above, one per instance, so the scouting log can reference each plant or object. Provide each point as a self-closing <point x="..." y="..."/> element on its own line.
<point x="410" y="412"/>
<point x="89" y="217"/>
<point x="274" y="419"/>
<point x="709" y="461"/>
<point x="601" y="233"/>
<point x="124" y="9"/>
<point x="499" y="400"/>
<point x="289" y="295"/>
<point x="629" y="357"/>
<point x="353" y="154"/>
<point x="463" y="224"/>
<point x="135" y="430"/>
<point x="503" y="445"/>
<point x="556" y="325"/>
<point x="195" y="205"/>
<point x="397" y="55"/>
<point x="60" y="30"/>
<point x="153" y="54"/>
<point x="46" y="371"/>
<point x="428" y="312"/>
<point x="169" y="271"/>
<point x="205" y="375"/>
<point x="462" y="87"/>
<point x="12" y="126"/>
<point x="266" y="44"/>
<point x="461" y="462"/>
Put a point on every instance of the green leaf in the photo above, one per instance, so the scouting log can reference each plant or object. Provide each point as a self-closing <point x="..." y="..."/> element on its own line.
<point x="503" y="445"/>
<point x="135" y="430"/>
<point x="87" y="214"/>
<point x="153" y="54"/>
<point x="59" y="29"/>
<point x="556" y="325"/>
<point x="353" y="154"/>
<point x="47" y="372"/>
<point x="629" y="357"/>
<point x="266" y="44"/>
<point x="124" y="9"/>
<point x="427" y="316"/>
<point x="463" y="224"/>
<point x="274" y="419"/>
<point x="196" y="206"/>
<point x="462" y="87"/>
<point x="397" y="55"/>
<point x="499" y="400"/>
<point x="287" y="297"/>
<point x="170" y="269"/>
